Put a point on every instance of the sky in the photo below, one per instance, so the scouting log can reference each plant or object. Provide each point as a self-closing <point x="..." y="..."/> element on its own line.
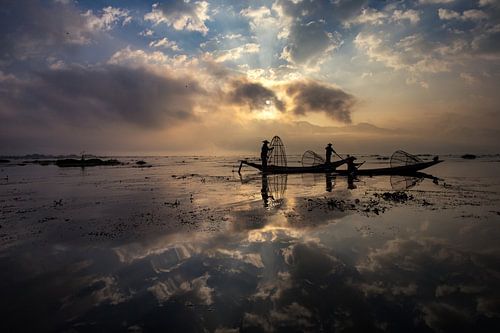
<point x="218" y="77"/>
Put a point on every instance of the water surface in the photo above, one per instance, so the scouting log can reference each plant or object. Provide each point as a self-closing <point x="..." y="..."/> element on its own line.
<point x="189" y="245"/>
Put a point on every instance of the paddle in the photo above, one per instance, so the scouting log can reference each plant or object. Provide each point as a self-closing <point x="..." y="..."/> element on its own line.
<point x="356" y="165"/>
<point x="359" y="164"/>
<point x="338" y="155"/>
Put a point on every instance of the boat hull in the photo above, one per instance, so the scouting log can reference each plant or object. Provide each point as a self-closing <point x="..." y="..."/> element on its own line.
<point x="401" y="170"/>
<point x="332" y="168"/>
<point x="273" y="169"/>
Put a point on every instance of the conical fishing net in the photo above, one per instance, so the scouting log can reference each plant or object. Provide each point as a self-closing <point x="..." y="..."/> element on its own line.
<point x="278" y="154"/>
<point x="401" y="183"/>
<point x="401" y="158"/>
<point x="310" y="158"/>
<point x="277" y="186"/>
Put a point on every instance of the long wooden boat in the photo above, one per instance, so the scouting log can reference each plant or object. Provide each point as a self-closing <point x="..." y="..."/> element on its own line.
<point x="273" y="169"/>
<point x="400" y="170"/>
<point x="326" y="168"/>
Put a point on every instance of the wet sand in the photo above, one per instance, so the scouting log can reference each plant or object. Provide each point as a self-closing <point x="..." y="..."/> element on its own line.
<point x="188" y="245"/>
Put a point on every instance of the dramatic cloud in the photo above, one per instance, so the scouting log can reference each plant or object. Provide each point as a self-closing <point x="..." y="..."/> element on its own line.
<point x="237" y="52"/>
<point x="454" y="305"/>
<point x="30" y="29"/>
<point x="484" y="3"/>
<point x="309" y="96"/>
<point x="281" y="59"/>
<point x="181" y="15"/>
<point x="197" y="288"/>
<point x="488" y="43"/>
<point x="165" y="43"/>
<point x="411" y="15"/>
<point x="309" y="43"/>
<point x="312" y="28"/>
<point x="433" y="2"/>
<point x="468" y="15"/>
<point x="371" y="16"/>
<point x="413" y="54"/>
<point x="132" y="58"/>
<point x="93" y="95"/>
<point x="368" y="16"/>
<point x="254" y="95"/>
<point x="109" y="18"/>
<point x="331" y="11"/>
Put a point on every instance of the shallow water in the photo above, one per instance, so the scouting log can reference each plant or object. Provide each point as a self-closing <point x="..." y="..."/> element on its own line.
<point x="188" y="245"/>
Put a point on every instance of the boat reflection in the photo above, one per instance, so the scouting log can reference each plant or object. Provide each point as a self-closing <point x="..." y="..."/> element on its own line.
<point x="350" y="182"/>
<point x="406" y="182"/>
<point x="273" y="190"/>
<point x="400" y="183"/>
<point x="330" y="181"/>
<point x="274" y="187"/>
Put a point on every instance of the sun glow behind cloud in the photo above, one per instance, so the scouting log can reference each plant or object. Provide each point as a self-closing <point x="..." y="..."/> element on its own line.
<point x="423" y="74"/>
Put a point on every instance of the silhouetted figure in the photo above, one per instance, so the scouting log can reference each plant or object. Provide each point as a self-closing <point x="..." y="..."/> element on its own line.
<point x="329" y="152"/>
<point x="329" y="182"/>
<point x="350" y="182"/>
<point x="264" y="191"/>
<point x="264" y="153"/>
<point x="351" y="166"/>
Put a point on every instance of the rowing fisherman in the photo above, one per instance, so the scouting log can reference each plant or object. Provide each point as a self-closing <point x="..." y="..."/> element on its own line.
<point x="264" y="154"/>
<point x="351" y="166"/>
<point x="351" y="172"/>
<point x="329" y="152"/>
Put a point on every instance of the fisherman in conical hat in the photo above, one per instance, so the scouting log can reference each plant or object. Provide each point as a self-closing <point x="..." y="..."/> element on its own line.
<point x="329" y="152"/>
<point x="264" y="154"/>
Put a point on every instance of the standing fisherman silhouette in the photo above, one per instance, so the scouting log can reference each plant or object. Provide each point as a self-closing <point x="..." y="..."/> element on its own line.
<point x="329" y="152"/>
<point x="264" y="154"/>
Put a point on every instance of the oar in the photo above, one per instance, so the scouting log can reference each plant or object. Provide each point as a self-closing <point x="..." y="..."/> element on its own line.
<point x="359" y="165"/>
<point x="338" y="155"/>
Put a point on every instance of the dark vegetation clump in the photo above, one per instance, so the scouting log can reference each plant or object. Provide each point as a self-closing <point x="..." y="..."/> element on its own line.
<point x="70" y="162"/>
<point x="398" y="196"/>
<point x="42" y="162"/>
<point x="469" y="156"/>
